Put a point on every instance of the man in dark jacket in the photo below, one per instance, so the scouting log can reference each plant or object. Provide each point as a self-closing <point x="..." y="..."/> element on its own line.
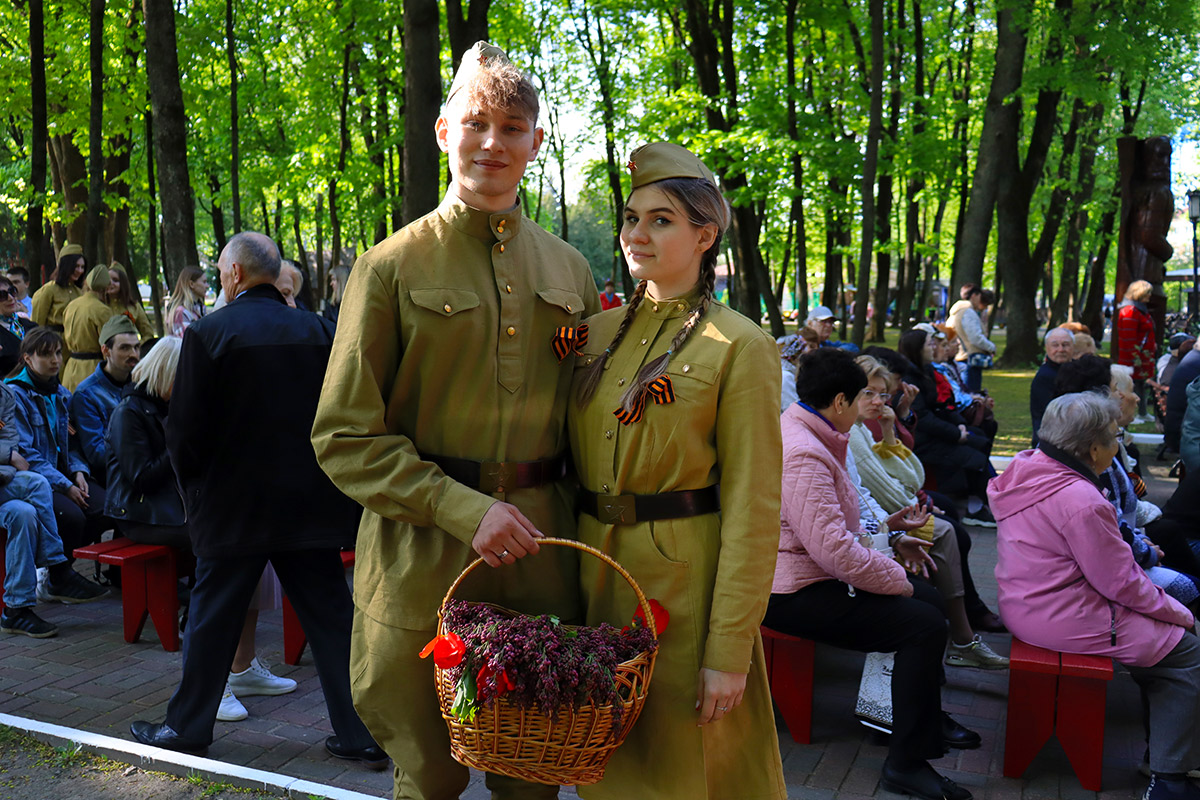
<point x="1177" y="397"/>
<point x="1059" y="344"/>
<point x="238" y="434"/>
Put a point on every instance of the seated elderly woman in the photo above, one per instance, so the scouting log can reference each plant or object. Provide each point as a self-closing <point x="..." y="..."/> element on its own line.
<point x="1068" y="580"/>
<point x="1161" y="550"/>
<point x="888" y="471"/>
<point x="831" y="585"/>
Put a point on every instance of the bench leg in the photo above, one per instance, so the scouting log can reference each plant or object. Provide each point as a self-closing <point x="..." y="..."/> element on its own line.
<point x="162" y="594"/>
<point x="294" y="639"/>
<point x="791" y="670"/>
<point x="134" y="608"/>
<point x="1030" y="719"/>
<point x="1080" y="726"/>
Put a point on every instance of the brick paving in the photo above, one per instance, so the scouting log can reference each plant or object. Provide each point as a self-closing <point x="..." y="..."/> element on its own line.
<point x="89" y="678"/>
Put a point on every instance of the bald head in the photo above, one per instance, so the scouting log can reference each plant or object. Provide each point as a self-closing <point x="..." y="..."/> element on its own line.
<point x="249" y="259"/>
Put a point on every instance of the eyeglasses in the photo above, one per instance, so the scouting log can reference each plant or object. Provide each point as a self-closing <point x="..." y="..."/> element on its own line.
<point x="869" y="395"/>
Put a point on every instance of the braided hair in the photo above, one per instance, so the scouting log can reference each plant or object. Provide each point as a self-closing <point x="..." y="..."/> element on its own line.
<point x="703" y="204"/>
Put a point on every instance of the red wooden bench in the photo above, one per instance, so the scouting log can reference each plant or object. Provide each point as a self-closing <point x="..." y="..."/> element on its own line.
<point x="790" y="672"/>
<point x="149" y="586"/>
<point x="294" y="640"/>
<point x="1063" y="694"/>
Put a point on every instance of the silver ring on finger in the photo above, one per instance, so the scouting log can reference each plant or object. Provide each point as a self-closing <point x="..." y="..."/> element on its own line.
<point x="722" y="708"/>
<point x="503" y="554"/>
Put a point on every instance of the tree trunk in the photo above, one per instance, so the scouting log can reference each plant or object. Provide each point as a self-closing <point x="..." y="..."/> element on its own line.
<point x="116" y="227"/>
<point x="235" y="159"/>
<point x="464" y="31"/>
<point x="1001" y="119"/>
<point x="215" y="212"/>
<point x="91" y="244"/>
<point x="1093" y="305"/>
<point x="152" y="229"/>
<point x="170" y="138"/>
<point x="320" y="238"/>
<point x="870" y="167"/>
<point x="422" y="98"/>
<point x="301" y="254"/>
<point x="71" y="173"/>
<point x="38" y="143"/>
<point x="335" y="223"/>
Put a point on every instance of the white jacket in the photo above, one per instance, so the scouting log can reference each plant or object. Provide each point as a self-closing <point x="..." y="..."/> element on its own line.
<point x="966" y="323"/>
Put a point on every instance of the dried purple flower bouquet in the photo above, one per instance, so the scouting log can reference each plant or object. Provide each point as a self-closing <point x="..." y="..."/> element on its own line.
<point x="537" y="662"/>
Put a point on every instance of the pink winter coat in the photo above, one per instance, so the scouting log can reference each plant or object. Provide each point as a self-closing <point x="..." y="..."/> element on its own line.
<point x="818" y="539"/>
<point x="1067" y="578"/>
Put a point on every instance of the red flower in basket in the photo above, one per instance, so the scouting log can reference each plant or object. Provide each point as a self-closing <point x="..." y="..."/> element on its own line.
<point x="448" y="650"/>
<point x="661" y="617"/>
<point x="503" y="682"/>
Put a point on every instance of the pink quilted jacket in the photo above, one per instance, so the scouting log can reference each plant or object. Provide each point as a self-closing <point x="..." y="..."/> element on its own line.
<point x="818" y="539"/>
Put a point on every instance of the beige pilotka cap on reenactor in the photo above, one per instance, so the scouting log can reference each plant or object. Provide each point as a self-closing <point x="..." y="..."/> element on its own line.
<point x="70" y="250"/>
<point x="99" y="278"/>
<point x="116" y="325"/>
<point x="658" y="161"/>
<point x="472" y="60"/>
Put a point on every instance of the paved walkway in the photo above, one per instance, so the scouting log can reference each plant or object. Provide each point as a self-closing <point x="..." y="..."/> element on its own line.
<point x="88" y="678"/>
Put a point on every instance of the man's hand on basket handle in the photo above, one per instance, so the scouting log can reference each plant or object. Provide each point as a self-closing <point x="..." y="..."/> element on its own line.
<point x="504" y="535"/>
<point x="719" y="694"/>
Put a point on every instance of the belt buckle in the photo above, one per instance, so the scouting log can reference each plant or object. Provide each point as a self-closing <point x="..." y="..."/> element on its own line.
<point x="616" y="509"/>
<point x="497" y="476"/>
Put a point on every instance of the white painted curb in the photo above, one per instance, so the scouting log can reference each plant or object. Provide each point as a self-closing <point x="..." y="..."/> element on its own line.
<point x="180" y="763"/>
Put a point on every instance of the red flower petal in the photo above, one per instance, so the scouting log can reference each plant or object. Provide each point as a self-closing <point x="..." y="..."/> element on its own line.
<point x="449" y="651"/>
<point x="427" y="649"/>
<point x="661" y="617"/>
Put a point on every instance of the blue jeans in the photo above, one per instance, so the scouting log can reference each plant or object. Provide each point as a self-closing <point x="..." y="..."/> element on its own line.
<point x="974" y="379"/>
<point x="27" y="513"/>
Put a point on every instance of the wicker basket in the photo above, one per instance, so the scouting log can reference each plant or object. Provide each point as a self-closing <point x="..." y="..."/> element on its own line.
<point x="570" y="748"/>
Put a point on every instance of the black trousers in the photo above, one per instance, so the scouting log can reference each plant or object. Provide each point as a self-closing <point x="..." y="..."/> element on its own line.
<point x="78" y="526"/>
<point x="914" y="628"/>
<point x="315" y="582"/>
<point x="976" y="608"/>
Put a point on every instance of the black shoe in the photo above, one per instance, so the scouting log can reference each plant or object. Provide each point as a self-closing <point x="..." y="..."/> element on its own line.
<point x="163" y="736"/>
<point x="26" y="623"/>
<point x="372" y="756"/>
<point x="73" y="588"/>
<point x="923" y="782"/>
<point x="956" y="736"/>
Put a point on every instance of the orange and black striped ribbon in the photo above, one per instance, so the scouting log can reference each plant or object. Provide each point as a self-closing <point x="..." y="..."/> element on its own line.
<point x="1139" y="485"/>
<point x="569" y="341"/>
<point x="660" y="390"/>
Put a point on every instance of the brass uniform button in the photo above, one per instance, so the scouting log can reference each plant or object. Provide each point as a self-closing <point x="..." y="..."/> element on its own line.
<point x="501" y="248"/>
<point x="446" y="308"/>
<point x="508" y="288"/>
<point x="643" y="341"/>
<point x="512" y="331"/>
<point x="608" y="434"/>
<point x="687" y="367"/>
<point x="604" y="487"/>
<point x="568" y="306"/>
<point x="681" y="306"/>
<point x="621" y="382"/>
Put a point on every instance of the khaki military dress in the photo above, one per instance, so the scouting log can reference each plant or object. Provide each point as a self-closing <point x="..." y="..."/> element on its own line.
<point x="84" y="318"/>
<point x="50" y="304"/>
<point x="443" y="348"/>
<point x="713" y="572"/>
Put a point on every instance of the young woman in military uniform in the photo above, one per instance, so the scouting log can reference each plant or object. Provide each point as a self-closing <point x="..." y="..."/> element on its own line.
<point x="676" y="395"/>
<point x="50" y="302"/>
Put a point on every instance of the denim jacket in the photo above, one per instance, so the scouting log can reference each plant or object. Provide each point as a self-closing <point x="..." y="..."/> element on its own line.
<point x="49" y="450"/>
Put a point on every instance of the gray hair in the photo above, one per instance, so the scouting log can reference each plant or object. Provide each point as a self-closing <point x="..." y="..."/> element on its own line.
<point x="1075" y="422"/>
<point x="257" y="254"/>
<point x="156" y="372"/>
<point x="1121" y="374"/>
<point x="1070" y="337"/>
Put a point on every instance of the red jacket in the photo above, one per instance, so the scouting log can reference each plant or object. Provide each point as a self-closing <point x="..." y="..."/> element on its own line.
<point x="1136" y="341"/>
<point x="606" y="304"/>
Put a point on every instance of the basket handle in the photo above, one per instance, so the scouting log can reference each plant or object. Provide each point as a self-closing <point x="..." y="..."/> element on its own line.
<point x="637" y="590"/>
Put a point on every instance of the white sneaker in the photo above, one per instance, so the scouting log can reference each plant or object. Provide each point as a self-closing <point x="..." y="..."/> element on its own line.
<point x="974" y="653"/>
<point x="230" y="709"/>
<point x="258" y="680"/>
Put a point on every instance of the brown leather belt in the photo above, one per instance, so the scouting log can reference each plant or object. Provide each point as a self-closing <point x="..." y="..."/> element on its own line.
<point x="629" y="509"/>
<point x="97" y="356"/>
<point x="491" y="477"/>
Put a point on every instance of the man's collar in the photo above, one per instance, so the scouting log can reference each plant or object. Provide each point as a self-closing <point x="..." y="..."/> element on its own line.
<point x="487" y="226"/>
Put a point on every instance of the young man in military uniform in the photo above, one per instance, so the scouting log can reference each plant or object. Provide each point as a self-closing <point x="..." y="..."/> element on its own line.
<point x="443" y="414"/>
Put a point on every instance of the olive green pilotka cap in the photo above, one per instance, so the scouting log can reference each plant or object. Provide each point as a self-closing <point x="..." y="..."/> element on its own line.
<point x="115" y="326"/>
<point x="99" y="278"/>
<point x="658" y="161"/>
<point x="472" y="60"/>
<point x="70" y="250"/>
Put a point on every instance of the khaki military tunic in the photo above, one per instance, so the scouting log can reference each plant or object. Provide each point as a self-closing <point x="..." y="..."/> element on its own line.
<point x="84" y="318"/>
<point x="712" y="572"/>
<point x="50" y="303"/>
<point x="140" y="320"/>
<point x="443" y="348"/>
